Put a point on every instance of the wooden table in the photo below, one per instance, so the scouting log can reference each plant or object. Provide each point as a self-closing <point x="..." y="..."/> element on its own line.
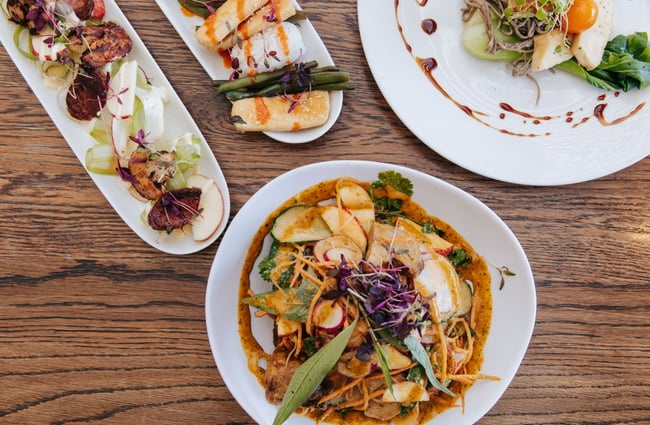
<point x="98" y="327"/>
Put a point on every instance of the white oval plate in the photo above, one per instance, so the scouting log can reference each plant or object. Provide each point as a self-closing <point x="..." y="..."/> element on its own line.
<point x="566" y="155"/>
<point x="177" y="120"/>
<point x="213" y="65"/>
<point x="514" y="306"/>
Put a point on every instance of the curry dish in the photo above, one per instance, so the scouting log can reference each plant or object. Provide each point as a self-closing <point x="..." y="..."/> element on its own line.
<point x="380" y="310"/>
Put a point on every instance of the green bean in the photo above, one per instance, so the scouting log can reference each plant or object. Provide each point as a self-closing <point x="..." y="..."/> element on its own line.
<point x="245" y="82"/>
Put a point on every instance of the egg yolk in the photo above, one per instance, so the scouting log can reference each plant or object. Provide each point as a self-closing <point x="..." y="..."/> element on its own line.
<point x="581" y="16"/>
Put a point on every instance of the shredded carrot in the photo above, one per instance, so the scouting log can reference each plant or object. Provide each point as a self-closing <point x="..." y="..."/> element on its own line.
<point x="312" y="305"/>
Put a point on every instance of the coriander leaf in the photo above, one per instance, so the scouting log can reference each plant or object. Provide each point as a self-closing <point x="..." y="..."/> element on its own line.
<point x="458" y="257"/>
<point x="396" y="181"/>
<point x="308" y="376"/>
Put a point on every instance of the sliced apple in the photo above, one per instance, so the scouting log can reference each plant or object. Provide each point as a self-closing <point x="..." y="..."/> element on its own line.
<point x="396" y="359"/>
<point x="356" y="199"/>
<point x="341" y="220"/>
<point x="45" y="48"/>
<point x="121" y="90"/>
<point x="388" y="243"/>
<point x="337" y="247"/>
<point x="431" y="241"/>
<point x="286" y="326"/>
<point x="206" y="224"/>
<point x="406" y="392"/>
<point x="120" y="131"/>
<point x="438" y="280"/>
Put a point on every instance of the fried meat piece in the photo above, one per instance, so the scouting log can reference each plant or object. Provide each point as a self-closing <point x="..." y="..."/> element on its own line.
<point x="30" y="13"/>
<point x="279" y="370"/>
<point x="174" y="209"/>
<point x="151" y="172"/>
<point x="87" y="94"/>
<point x="100" y="44"/>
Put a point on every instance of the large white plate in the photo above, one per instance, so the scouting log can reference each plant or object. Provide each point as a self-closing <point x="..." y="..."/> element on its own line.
<point x="561" y="153"/>
<point x="177" y="121"/>
<point x="213" y="64"/>
<point x="513" y="307"/>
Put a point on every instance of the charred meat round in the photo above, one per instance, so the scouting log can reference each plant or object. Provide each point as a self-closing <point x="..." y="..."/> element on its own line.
<point x="87" y="94"/>
<point x="100" y="44"/>
<point x="30" y="13"/>
<point x="151" y="171"/>
<point x="175" y="209"/>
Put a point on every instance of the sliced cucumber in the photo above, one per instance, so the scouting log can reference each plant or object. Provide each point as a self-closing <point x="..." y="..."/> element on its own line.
<point x="300" y="224"/>
<point x="475" y="40"/>
<point x="466" y="294"/>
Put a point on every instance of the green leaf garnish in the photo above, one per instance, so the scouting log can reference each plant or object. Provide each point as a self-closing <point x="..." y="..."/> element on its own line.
<point x="421" y="356"/>
<point x="311" y="373"/>
<point x="396" y="181"/>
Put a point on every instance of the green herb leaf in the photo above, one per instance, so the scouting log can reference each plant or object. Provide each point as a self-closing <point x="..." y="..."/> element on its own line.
<point x="458" y="257"/>
<point x="396" y="181"/>
<point x="292" y="303"/>
<point x="383" y="364"/>
<point x="625" y="64"/>
<point x="421" y="356"/>
<point x="311" y="373"/>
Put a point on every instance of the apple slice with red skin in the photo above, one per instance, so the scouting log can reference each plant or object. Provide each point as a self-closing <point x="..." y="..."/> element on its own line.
<point x="211" y="207"/>
<point x="341" y="220"/>
<point x="45" y="48"/>
<point x="356" y="199"/>
<point x="328" y="315"/>
<point x="431" y="241"/>
<point x="334" y="248"/>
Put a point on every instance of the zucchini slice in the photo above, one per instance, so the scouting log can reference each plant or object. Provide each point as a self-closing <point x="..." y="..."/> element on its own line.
<point x="299" y="224"/>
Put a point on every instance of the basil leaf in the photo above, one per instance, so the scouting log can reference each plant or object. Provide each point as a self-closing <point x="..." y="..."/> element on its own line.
<point x="311" y="373"/>
<point x="421" y="356"/>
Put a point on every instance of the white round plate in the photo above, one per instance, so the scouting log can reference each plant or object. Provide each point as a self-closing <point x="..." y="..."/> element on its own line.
<point x="213" y="64"/>
<point x="560" y="142"/>
<point x="514" y="306"/>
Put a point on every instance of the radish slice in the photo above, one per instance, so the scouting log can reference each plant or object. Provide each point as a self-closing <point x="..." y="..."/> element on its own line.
<point x="335" y="247"/>
<point x="328" y="315"/>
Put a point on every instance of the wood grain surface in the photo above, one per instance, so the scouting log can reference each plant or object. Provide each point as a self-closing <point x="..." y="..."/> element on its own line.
<point x="98" y="327"/>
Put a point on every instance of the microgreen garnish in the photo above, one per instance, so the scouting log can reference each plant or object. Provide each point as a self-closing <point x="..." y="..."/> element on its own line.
<point x="503" y="272"/>
<point x="140" y="139"/>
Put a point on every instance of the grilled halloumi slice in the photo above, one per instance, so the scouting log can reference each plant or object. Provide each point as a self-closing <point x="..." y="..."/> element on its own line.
<point x="551" y="48"/>
<point x="281" y="10"/>
<point x="278" y="113"/>
<point x="225" y="20"/>
<point x="588" y="46"/>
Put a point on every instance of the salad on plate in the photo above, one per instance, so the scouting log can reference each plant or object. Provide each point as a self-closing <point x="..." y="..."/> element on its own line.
<point x="380" y="310"/>
<point x="105" y="90"/>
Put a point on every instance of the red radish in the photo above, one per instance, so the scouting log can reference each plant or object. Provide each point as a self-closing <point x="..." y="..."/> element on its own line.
<point x="99" y="10"/>
<point x="332" y="248"/>
<point x="328" y="315"/>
